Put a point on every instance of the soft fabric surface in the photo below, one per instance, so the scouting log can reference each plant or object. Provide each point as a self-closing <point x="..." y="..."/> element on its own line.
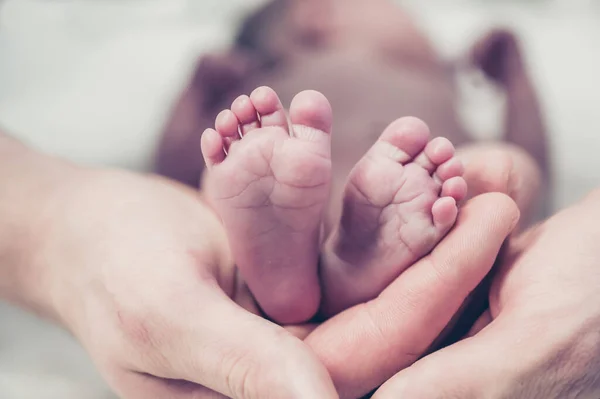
<point x="93" y="81"/>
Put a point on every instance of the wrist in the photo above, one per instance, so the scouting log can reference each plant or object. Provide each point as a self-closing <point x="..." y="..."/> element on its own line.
<point x="32" y="186"/>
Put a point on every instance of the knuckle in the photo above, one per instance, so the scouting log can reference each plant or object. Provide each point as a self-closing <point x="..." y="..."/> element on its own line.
<point x="142" y="335"/>
<point x="239" y="369"/>
<point x="139" y="330"/>
<point x="134" y="328"/>
<point x="258" y="374"/>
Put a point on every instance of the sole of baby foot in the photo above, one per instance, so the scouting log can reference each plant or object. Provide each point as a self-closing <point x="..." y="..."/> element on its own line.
<point x="400" y="201"/>
<point x="268" y="180"/>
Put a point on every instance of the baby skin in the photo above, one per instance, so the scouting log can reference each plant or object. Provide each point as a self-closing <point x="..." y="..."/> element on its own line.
<point x="269" y="178"/>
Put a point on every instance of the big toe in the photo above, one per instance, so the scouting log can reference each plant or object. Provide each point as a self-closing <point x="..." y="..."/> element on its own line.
<point x="310" y="112"/>
<point x="403" y="139"/>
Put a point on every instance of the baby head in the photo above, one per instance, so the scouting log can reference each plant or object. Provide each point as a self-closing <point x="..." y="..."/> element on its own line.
<point x="369" y="58"/>
<point x="284" y="27"/>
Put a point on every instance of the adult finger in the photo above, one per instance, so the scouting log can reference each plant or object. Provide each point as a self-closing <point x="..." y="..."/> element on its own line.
<point x="367" y="344"/>
<point x="507" y="169"/>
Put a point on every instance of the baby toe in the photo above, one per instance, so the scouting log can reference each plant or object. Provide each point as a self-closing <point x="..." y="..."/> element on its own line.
<point x="244" y="110"/>
<point x="444" y="212"/>
<point x="311" y="112"/>
<point x="212" y="147"/>
<point x="437" y="151"/>
<point x="456" y="188"/>
<point x="269" y="108"/>
<point x="402" y="140"/>
<point x="449" y="169"/>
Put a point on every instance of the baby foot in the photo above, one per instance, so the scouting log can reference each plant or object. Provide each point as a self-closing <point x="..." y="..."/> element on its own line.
<point x="269" y="183"/>
<point x="399" y="202"/>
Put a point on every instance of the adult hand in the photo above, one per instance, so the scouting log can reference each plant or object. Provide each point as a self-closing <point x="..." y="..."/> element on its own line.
<point x="540" y="338"/>
<point x="139" y="271"/>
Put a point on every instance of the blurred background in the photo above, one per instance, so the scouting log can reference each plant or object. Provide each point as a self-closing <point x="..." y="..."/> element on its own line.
<point x="95" y="81"/>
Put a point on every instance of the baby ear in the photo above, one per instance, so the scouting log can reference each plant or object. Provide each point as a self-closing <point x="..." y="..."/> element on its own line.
<point x="216" y="79"/>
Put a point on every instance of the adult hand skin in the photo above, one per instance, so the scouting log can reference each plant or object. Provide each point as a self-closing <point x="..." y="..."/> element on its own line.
<point x="139" y="271"/>
<point x="540" y="338"/>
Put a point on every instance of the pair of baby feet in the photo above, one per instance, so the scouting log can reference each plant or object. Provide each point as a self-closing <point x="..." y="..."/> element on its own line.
<point x="269" y="180"/>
